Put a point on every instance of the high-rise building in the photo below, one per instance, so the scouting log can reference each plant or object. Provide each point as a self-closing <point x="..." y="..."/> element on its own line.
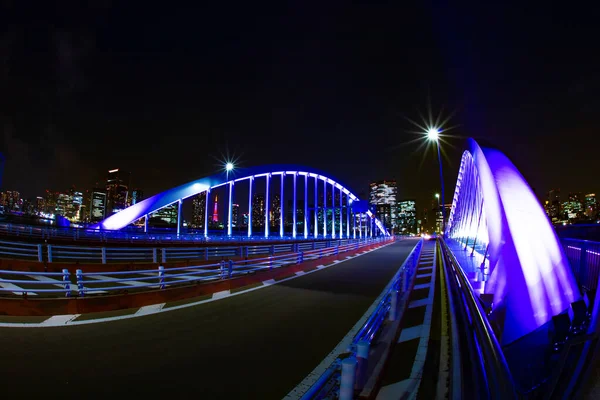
<point x="258" y="210"/>
<point x="166" y="215"/>
<point x="591" y="206"/>
<point x="235" y="215"/>
<point x="137" y="195"/>
<point x="553" y="206"/>
<point x="573" y="208"/>
<point x="407" y="217"/>
<point x="97" y="205"/>
<point x="117" y="186"/>
<point x="198" y="210"/>
<point x="73" y="210"/>
<point x="40" y="205"/>
<point x="51" y="201"/>
<point x="274" y="210"/>
<point x="383" y="199"/>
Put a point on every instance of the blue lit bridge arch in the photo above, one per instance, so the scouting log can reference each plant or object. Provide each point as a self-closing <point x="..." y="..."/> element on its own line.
<point x="358" y="220"/>
<point x="496" y="216"/>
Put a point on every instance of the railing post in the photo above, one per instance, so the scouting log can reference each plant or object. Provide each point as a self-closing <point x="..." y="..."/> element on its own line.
<point x="393" y="305"/>
<point x="362" y="357"/>
<point x="314" y="245"/>
<point x="39" y="251"/>
<point x="79" y="275"/>
<point x="66" y="282"/>
<point x="272" y="249"/>
<point x="337" y="250"/>
<point x="347" y="381"/>
<point x="161" y="276"/>
<point x="104" y="255"/>
<point x="582" y="265"/>
<point x="49" y="253"/>
<point x="230" y="270"/>
<point x="164" y="255"/>
<point x="270" y="262"/>
<point x="154" y="255"/>
<point x="222" y="268"/>
<point x="300" y="258"/>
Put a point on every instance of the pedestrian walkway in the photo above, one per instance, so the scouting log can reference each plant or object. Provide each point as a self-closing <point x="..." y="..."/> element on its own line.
<point x="404" y="371"/>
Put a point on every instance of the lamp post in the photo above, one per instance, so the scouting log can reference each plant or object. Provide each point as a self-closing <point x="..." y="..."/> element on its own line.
<point x="433" y="135"/>
<point x="437" y="196"/>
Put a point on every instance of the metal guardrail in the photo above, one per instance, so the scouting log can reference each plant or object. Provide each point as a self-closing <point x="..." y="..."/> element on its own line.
<point x="584" y="258"/>
<point x="373" y="325"/>
<point x="499" y="383"/>
<point x="192" y="236"/>
<point x="87" y="282"/>
<point x="73" y="253"/>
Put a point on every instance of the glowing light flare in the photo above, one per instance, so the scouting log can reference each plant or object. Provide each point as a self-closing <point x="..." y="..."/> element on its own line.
<point x="229" y="166"/>
<point x="433" y="134"/>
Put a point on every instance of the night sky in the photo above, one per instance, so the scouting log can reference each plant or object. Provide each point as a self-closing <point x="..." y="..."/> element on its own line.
<point x="166" y="92"/>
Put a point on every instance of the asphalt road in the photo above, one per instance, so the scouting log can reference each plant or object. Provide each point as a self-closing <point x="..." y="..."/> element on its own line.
<point x="257" y="345"/>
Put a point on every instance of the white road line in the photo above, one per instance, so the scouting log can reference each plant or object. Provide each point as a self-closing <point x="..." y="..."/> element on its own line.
<point x="154" y="308"/>
<point x="269" y="282"/>
<point x="300" y="273"/>
<point x="18" y="290"/>
<point x="222" y="294"/>
<point x="59" y="320"/>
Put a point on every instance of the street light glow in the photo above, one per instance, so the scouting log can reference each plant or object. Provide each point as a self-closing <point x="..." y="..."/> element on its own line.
<point x="433" y="134"/>
<point x="437" y="195"/>
<point x="229" y="166"/>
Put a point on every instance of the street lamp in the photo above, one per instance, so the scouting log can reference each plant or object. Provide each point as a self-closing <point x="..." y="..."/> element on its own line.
<point x="433" y="135"/>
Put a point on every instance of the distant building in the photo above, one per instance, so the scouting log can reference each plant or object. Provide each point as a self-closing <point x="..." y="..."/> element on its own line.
<point x="275" y="210"/>
<point x="215" y="215"/>
<point x="235" y="215"/>
<point x="137" y="195"/>
<point x="40" y="205"/>
<point x="97" y="205"/>
<point x="591" y="206"/>
<point x="573" y="208"/>
<point x="552" y="205"/>
<point x="117" y="186"/>
<point x="198" y="210"/>
<point x="258" y="210"/>
<point x="407" y="217"/>
<point x="166" y="215"/>
<point x="383" y="200"/>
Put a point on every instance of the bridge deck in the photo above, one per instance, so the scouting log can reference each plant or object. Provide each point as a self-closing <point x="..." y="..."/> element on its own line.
<point x="256" y="345"/>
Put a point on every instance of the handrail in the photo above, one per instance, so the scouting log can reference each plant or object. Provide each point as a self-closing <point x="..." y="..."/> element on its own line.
<point x="162" y="277"/>
<point x="498" y="376"/>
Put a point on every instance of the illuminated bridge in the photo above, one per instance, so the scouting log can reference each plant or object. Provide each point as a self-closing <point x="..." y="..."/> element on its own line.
<point x="348" y="216"/>
<point x="497" y="307"/>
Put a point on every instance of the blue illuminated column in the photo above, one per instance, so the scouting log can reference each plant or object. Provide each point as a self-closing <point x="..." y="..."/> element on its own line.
<point x="146" y="223"/>
<point x="316" y="208"/>
<point x="324" y="208"/>
<point x="294" y="210"/>
<point x="281" y="205"/>
<point x="206" y="212"/>
<point x="306" y="206"/>
<point x="178" y="216"/>
<point x="230" y="208"/>
<point x="353" y="224"/>
<point x="360" y="224"/>
<point x="267" y="202"/>
<point x="332" y="211"/>
<point x="341" y="216"/>
<point x="348" y="202"/>
<point x="251" y="181"/>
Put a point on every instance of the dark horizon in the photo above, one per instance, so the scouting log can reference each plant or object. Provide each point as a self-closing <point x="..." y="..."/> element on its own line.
<point x="167" y="94"/>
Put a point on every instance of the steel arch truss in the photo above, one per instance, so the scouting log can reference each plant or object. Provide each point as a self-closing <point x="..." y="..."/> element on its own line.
<point x="176" y="195"/>
<point x="496" y="214"/>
